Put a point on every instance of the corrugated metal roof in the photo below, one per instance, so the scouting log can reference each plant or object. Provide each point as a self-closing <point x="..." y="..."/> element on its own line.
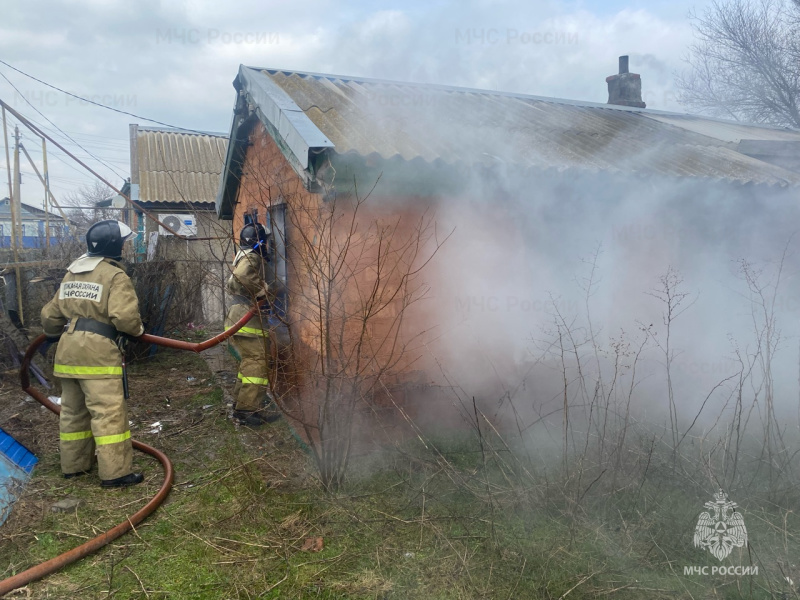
<point x="475" y="127"/>
<point x="727" y="131"/>
<point x="179" y="167"/>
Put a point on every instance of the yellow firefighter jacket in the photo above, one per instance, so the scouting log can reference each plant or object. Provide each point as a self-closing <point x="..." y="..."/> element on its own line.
<point x="247" y="285"/>
<point x="94" y="288"/>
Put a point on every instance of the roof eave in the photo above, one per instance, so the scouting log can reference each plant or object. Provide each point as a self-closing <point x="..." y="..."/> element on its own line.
<point x="287" y="119"/>
<point x="295" y="134"/>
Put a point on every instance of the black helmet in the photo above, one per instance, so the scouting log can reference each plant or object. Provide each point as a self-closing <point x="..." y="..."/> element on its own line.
<point x="253" y="236"/>
<point x="105" y="238"/>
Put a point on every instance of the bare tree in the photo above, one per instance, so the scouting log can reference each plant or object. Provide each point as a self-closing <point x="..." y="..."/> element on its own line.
<point x="745" y="64"/>
<point x="80" y="204"/>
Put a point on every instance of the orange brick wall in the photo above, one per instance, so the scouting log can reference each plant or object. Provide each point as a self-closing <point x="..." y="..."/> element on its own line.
<point x="417" y="381"/>
<point x="268" y="179"/>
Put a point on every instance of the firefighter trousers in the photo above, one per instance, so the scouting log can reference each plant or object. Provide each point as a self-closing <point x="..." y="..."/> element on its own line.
<point x="253" y="384"/>
<point x="94" y="419"/>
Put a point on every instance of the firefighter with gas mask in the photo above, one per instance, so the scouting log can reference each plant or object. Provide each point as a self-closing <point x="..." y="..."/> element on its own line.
<point x="94" y="306"/>
<point x="248" y="288"/>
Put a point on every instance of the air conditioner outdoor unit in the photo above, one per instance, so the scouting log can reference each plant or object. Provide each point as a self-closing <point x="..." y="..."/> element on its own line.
<point x="182" y="224"/>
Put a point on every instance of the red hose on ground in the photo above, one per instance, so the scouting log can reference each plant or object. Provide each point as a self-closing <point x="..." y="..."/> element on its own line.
<point x="62" y="560"/>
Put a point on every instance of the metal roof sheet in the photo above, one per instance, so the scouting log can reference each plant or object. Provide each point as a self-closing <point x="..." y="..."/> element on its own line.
<point x="179" y="167"/>
<point x="476" y="127"/>
<point x="728" y="131"/>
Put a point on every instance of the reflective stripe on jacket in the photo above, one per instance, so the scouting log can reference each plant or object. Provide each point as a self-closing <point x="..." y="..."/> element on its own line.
<point x="92" y="289"/>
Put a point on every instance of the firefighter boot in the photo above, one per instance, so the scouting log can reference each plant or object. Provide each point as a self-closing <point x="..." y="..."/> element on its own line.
<point x="269" y="412"/>
<point x="248" y="417"/>
<point x="126" y="481"/>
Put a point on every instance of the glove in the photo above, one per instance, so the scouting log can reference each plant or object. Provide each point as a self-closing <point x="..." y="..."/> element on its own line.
<point x="122" y="342"/>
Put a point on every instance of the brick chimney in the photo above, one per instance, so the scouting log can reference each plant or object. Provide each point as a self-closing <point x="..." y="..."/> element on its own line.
<point x="625" y="89"/>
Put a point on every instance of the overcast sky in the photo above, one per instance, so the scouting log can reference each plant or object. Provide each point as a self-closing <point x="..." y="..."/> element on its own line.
<point x="174" y="61"/>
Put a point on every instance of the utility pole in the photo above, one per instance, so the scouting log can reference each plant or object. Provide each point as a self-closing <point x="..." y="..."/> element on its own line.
<point x="15" y="199"/>
<point x="46" y="185"/>
<point x="8" y="161"/>
<point x="46" y="196"/>
<point x="16" y="205"/>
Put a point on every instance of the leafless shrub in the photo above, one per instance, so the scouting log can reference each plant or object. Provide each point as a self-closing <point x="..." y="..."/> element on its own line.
<point x="610" y="450"/>
<point x="674" y="302"/>
<point x="357" y="277"/>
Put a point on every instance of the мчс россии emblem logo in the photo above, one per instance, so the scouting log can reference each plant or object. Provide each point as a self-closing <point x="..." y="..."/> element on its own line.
<point x="722" y="529"/>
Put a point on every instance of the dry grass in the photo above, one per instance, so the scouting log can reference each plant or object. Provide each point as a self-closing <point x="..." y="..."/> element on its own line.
<point x="412" y="522"/>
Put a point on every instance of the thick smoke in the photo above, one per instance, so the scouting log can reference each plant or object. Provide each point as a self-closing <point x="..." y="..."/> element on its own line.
<point x="552" y="274"/>
<point x="516" y="272"/>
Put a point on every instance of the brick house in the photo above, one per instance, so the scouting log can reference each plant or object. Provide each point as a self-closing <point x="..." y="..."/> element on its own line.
<point x="523" y="184"/>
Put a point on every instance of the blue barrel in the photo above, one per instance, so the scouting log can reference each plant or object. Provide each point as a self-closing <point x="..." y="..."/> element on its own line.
<point x="16" y="464"/>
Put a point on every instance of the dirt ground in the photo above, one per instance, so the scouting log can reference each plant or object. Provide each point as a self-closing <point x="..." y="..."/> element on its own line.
<point x="153" y="390"/>
<point x="164" y="411"/>
<point x="455" y="519"/>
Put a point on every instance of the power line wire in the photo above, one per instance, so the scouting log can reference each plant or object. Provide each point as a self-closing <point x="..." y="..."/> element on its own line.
<point x="123" y="112"/>
<point x="3" y="75"/>
<point x="136" y="205"/>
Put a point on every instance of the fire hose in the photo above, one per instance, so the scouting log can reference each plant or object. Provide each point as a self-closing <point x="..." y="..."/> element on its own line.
<point x="69" y="557"/>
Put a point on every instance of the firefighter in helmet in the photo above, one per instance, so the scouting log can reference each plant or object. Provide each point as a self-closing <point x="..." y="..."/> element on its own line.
<point x="95" y="305"/>
<point x="248" y="287"/>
